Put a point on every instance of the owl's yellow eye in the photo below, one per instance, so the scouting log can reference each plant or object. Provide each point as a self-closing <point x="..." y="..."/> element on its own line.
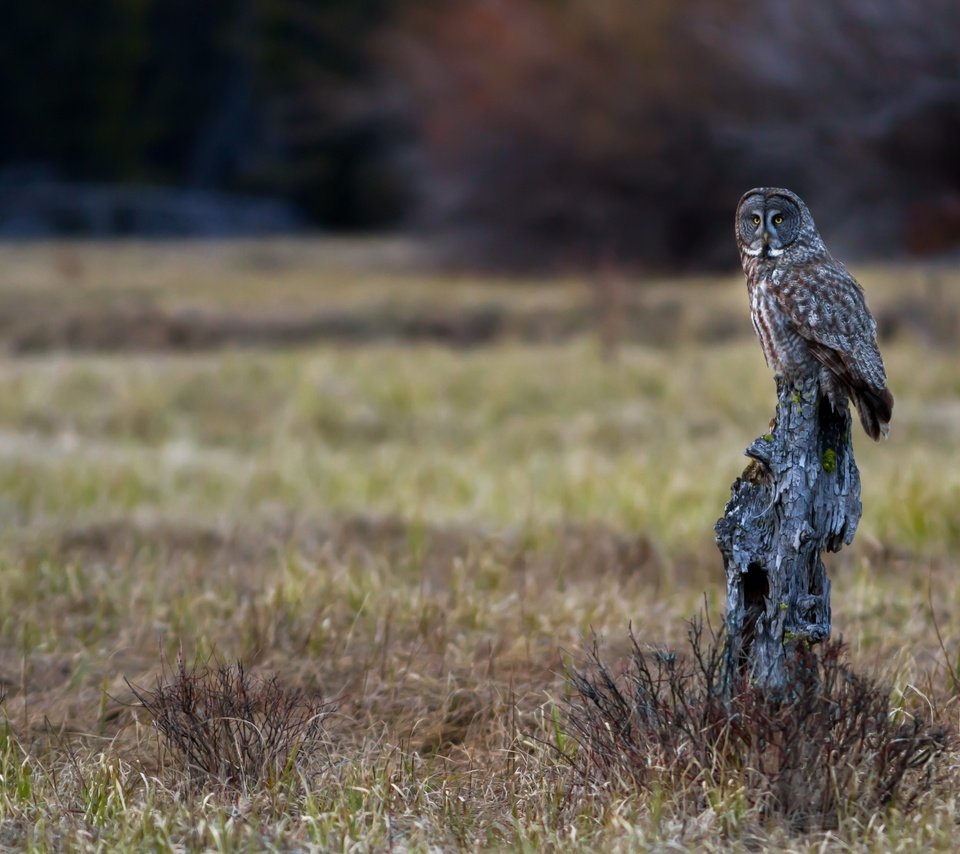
<point x="756" y="220"/>
<point x="778" y="219"/>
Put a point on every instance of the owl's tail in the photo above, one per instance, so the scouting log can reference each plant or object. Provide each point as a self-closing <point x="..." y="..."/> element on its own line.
<point x="876" y="409"/>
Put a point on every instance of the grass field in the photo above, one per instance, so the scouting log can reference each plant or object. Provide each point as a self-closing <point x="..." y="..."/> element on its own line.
<point x="420" y="523"/>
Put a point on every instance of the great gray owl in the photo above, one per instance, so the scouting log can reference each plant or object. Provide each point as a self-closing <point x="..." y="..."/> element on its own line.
<point x="808" y="311"/>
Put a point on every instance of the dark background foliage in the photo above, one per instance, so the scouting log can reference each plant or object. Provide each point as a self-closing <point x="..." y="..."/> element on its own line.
<point x="515" y="132"/>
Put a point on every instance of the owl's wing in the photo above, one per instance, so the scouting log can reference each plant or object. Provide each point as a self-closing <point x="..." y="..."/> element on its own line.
<point x="827" y="307"/>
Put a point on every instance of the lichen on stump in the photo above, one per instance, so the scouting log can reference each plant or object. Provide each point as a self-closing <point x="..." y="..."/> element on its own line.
<point x="798" y="496"/>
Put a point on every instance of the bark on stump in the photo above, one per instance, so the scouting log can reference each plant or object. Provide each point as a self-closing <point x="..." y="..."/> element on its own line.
<point x="799" y="495"/>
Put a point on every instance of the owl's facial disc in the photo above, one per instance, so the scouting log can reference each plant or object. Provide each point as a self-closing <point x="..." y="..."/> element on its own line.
<point x="768" y="224"/>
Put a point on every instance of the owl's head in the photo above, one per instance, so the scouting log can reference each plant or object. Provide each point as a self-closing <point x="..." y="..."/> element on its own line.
<point x="769" y="221"/>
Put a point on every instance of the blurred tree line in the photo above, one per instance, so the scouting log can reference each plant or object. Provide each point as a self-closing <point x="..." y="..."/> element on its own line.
<point x="521" y="132"/>
<point x="238" y="95"/>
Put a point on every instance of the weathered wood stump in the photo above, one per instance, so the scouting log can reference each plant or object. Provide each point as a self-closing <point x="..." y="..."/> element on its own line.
<point x="799" y="495"/>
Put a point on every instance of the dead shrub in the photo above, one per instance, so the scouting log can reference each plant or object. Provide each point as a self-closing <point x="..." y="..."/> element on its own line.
<point x="223" y="724"/>
<point x="834" y="747"/>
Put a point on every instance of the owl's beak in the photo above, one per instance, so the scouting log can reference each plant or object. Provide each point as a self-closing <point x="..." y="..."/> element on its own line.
<point x="766" y="238"/>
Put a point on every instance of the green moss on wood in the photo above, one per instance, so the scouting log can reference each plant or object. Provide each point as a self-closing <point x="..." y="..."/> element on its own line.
<point x="829" y="461"/>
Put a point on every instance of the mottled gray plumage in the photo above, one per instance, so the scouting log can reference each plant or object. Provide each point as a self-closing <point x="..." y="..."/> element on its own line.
<point x="808" y="311"/>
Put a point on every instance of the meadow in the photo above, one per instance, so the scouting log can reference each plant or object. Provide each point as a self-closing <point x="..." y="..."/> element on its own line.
<point x="415" y="498"/>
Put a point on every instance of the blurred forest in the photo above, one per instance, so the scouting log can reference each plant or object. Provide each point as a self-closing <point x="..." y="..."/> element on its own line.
<point x="515" y="133"/>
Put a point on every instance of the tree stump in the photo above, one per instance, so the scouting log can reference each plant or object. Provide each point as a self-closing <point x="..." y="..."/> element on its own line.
<point x="799" y="495"/>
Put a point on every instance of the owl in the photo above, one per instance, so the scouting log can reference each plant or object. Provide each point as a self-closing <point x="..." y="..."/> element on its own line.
<point x="808" y="311"/>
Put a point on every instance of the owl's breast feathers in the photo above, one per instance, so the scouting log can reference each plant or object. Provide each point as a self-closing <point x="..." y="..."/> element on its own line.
<point x="785" y="350"/>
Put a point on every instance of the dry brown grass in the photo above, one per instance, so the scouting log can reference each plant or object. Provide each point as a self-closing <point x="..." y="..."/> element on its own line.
<point x="428" y="536"/>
